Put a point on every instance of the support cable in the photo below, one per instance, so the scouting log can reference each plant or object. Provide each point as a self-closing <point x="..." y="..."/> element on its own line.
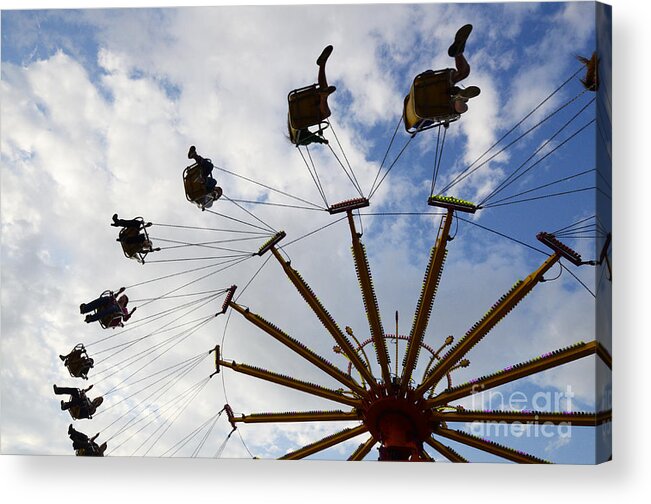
<point x="141" y="355"/>
<point x="156" y="357"/>
<point x="216" y="291"/>
<point x="311" y="233"/>
<point x="134" y="327"/>
<point x="504" y="236"/>
<point x="386" y="154"/>
<point x="562" y="193"/>
<point x="270" y="188"/>
<point x="235" y="262"/>
<point x="390" y="167"/>
<point x="184" y="441"/>
<point x="520" y="122"/>
<point x="221" y="448"/>
<point x="436" y="153"/>
<point x="266" y="230"/>
<point x="438" y="165"/>
<point x="359" y="191"/>
<point x="356" y="182"/>
<point x="512" y="177"/>
<point x="315" y="179"/>
<point x="196" y="451"/>
<point x="269" y="256"/>
<point x="281" y="205"/>
<point x="171" y="421"/>
<point x="274" y="231"/>
<point x="180" y="364"/>
<point x="179" y="273"/>
<point x="183" y="244"/>
<point x="578" y="280"/>
<point x="158" y="393"/>
<point x="198" y="228"/>
<point x="565" y="179"/>
<point x="573" y="225"/>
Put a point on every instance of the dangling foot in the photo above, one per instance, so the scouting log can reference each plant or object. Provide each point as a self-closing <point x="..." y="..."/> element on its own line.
<point x="87" y="319"/>
<point x="192" y="152"/>
<point x="70" y="429"/>
<point x="469" y="92"/>
<point x="459" y="43"/>
<point x="82" y="308"/>
<point x="56" y="389"/>
<point x="325" y="54"/>
<point x="62" y="357"/>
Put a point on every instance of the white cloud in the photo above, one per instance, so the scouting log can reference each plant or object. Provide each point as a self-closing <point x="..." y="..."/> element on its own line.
<point x="79" y="145"/>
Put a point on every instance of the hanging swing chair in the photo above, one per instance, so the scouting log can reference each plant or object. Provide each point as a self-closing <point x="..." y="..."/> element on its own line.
<point x="135" y="242"/>
<point x="197" y="190"/>
<point x="78" y="362"/>
<point x="308" y="106"/>
<point x="429" y="103"/>
<point x="106" y="322"/>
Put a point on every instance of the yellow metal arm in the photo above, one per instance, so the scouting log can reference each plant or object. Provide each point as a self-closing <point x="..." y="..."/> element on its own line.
<point x="424" y="306"/>
<point x="299" y="416"/>
<point x="287" y="381"/>
<point x="300" y="349"/>
<point x="578" y="418"/>
<point x="516" y="372"/>
<point x="425" y="456"/>
<point x="370" y="301"/>
<point x="497" y="312"/>
<point x="324" y="443"/>
<point x="362" y="450"/>
<point x="325" y="318"/>
<point x="446" y="451"/>
<point x="490" y="447"/>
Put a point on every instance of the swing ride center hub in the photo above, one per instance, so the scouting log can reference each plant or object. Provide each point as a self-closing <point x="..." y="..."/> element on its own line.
<point x="398" y="416"/>
<point x="402" y="423"/>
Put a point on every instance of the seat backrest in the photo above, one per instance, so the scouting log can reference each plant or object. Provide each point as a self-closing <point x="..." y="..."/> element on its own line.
<point x="194" y="183"/>
<point x="430" y="98"/>
<point x="305" y="107"/>
<point x="432" y="94"/>
<point x="130" y="249"/>
<point x="78" y="366"/>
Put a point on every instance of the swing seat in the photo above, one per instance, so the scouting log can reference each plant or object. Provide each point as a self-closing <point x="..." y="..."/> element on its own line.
<point x="91" y="451"/>
<point x="80" y="364"/>
<point x="429" y="102"/>
<point x="195" y="187"/>
<point x="75" y="411"/>
<point x="106" y="321"/>
<point x="305" y="107"/>
<point x="137" y="250"/>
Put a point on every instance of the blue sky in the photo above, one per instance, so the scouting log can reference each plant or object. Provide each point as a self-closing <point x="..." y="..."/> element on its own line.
<point x="102" y="105"/>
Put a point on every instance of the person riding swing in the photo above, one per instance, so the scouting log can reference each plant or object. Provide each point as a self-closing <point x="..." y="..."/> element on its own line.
<point x="435" y="98"/>
<point x="200" y="186"/>
<point x="85" y="446"/>
<point x="134" y="237"/>
<point x="78" y="362"/>
<point x="79" y="405"/>
<point x="110" y="310"/>
<point x="308" y="107"/>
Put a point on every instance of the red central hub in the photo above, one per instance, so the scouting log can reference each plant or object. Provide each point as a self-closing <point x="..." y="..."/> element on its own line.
<point x="400" y="424"/>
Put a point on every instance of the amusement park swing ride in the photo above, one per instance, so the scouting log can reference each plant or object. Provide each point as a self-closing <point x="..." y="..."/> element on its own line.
<point x="396" y="409"/>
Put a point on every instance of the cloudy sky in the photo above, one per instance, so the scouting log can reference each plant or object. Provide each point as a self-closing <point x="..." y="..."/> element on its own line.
<point x="99" y="109"/>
